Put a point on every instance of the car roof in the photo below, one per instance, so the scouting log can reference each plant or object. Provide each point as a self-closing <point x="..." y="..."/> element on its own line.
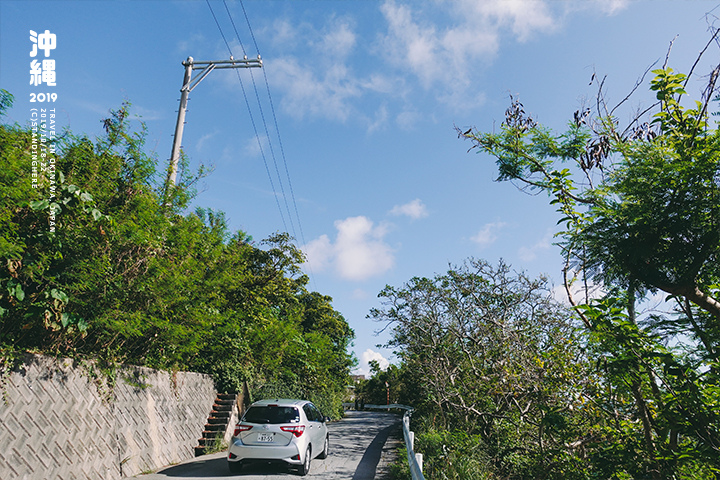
<point x="281" y="402"/>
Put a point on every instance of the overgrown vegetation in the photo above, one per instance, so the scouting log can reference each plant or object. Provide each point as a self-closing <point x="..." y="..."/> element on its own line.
<point x="100" y="259"/>
<point x="511" y="386"/>
<point x="497" y="371"/>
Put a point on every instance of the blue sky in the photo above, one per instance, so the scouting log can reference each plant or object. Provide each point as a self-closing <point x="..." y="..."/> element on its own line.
<point x="359" y="109"/>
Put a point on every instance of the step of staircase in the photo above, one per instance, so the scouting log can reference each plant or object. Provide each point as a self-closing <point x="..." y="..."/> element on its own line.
<point x="210" y="435"/>
<point x="207" y="442"/>
<point x="216" y="427"/>
<point x="217" y="422"/>
<point x="222" y="413"/>
<point x="223" y="405"/>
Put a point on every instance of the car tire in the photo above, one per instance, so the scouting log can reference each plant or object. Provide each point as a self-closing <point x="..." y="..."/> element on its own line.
<point x="305" y="467"/>
<point x="326" y="448"/>
<point x="235" y="467"/>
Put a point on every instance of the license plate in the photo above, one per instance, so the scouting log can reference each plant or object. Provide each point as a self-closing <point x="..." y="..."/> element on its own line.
<point x="266" y="437"/>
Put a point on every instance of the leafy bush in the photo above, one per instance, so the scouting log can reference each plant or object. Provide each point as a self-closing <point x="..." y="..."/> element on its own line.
<point x="101" y="259"/>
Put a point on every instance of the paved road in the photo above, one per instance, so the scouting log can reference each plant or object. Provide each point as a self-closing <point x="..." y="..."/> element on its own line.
<point x="356" y="444"/>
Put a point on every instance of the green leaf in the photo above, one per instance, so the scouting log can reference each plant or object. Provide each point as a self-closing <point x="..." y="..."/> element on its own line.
<point x="19" y="293"/>
<point x="82" y="325"/>
<point x="59" y="295"/>
<point x="39" y="205"/>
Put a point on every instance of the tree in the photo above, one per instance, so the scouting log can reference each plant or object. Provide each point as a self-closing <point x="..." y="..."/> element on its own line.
<point x="128" y="275"/>
<point x="495" y="357"/>
<point x="641" y="213"/>
<point x="393" y="382"/>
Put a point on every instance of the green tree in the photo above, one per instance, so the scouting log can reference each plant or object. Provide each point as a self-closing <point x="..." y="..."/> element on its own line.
<point x="498" y="360"/>
<point x="97" y="261"/>
<point x="640" y="211"/>
<point x="394" y="382"/>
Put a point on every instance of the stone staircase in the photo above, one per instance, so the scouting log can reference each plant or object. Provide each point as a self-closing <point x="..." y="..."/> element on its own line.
<point x="217" y="423"/>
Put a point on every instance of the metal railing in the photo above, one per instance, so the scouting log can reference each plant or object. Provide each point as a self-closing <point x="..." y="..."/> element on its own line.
<point x="415" y="460"/>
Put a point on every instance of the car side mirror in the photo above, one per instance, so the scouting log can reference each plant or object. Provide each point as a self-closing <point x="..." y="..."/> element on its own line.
<point x="326" y="419"/>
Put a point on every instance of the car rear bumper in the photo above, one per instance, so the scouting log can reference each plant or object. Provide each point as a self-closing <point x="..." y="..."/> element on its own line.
<point x="286" y="453"/>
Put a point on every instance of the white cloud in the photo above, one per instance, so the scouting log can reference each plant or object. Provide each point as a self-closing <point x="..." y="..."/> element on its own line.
<point x="528" y="254"/>
<point x="283" y="32"/>
<point x="340" y="41"/>
<point x="449" y="57"/>
<point x="201" y="143"/>
<point x="611" y="7"/>
<point x="407" y="120"/>
<point x="380" y="119"/>
<point x="256" y="146"/>
<point x="525" y="16"/>
<point x="363" y="367"/>
<point x="146" y="114"/>
<point x="488" y="234"/>
<point x="411" y="44"/>
<point x="442" y="45"/>
<point x="415" y="209"/>
<point x="381" y="83"/>
<point x="308" y="94"/>
<point x="358" y="253"/>
<point x="319" y="253"/>
<point x="324" y="85"/>
<point x="587" y="291"/>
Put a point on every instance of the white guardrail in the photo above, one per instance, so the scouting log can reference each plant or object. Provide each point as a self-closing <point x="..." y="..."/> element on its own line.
<point x="415" y="460"/>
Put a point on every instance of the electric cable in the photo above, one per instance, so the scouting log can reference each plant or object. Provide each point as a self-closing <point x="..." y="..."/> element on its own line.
<point x="262" y="115"/>
<point x="252" y="120"/>
<point x="277" y="128"/>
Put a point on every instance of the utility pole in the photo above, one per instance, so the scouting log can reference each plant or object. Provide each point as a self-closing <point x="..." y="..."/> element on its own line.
<point x="189" y="84"/>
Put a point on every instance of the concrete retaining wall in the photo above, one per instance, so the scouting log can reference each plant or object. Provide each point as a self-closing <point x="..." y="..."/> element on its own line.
<point x="60" y="420"/>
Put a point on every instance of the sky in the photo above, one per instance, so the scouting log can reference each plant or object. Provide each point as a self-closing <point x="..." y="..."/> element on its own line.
<point x="346" y="138"/>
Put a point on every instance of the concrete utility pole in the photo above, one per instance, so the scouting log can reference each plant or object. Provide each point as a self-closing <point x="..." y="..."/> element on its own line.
<point x="189" y="84"/>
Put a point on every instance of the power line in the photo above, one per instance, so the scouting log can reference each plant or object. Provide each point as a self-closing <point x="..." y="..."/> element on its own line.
<point x="262" y="115"/>
<point x="252" y="119"/>
<point x="218" y="26"/>
<point x="277" y="128"/>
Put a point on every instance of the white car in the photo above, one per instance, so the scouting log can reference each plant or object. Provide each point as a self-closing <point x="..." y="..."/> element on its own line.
<point x="282" y="430"/>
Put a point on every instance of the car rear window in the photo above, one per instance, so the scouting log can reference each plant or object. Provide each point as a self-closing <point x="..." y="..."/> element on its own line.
<point x="271" y="414"/>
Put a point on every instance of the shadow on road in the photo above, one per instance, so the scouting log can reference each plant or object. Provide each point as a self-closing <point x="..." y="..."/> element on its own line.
<point x="213" y="467"/>
<point x="367" y="467"/>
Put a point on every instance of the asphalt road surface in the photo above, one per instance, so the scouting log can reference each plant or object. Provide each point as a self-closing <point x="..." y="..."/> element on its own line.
<point x="356" y="448"/>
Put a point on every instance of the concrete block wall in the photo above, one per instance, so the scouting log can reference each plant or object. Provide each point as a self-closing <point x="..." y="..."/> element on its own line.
<point x="59" y="420"/>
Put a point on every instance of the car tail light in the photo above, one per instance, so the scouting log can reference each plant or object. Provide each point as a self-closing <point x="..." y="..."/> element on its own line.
<point x="296" y="430"/>
<point x="241" y="428"/>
